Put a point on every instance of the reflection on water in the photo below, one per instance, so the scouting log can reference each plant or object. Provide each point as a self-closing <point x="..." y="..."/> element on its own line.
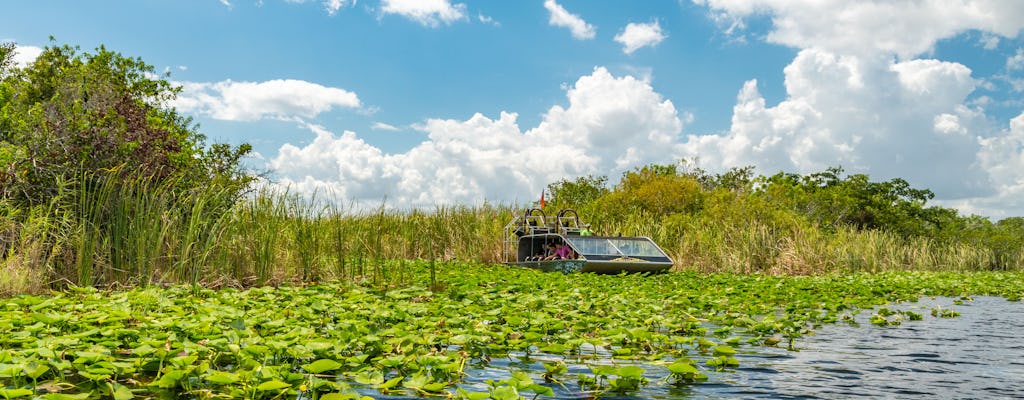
<point x="979" y="354"/>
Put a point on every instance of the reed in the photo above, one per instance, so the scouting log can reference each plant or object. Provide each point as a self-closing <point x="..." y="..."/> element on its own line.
<point x="143" y="234"/>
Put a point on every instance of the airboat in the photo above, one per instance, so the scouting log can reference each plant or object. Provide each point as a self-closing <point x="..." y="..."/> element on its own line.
<point x="529" y="235"/>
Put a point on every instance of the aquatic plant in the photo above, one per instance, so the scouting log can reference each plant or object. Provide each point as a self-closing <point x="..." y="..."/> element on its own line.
<point x="548" y="333"/>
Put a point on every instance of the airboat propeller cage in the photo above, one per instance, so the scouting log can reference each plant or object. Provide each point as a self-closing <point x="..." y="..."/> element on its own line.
<point x="526" y="234"/>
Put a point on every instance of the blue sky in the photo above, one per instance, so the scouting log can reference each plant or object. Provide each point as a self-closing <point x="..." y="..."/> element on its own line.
<point x="456" y="102"/>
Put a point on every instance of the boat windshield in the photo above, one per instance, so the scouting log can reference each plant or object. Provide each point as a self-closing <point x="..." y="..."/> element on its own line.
<point x="624" y="246"/>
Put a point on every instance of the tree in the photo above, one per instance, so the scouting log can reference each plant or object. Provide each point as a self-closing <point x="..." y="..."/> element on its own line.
<point x="655" y="189"/>
<point x="579" y="192"/>
<point x="69" y="115"/>
<point x="7" y="51"/>
<point x="830" y="200"/>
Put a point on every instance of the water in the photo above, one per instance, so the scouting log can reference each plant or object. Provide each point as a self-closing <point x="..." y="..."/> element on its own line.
<point x="979" y="354"/>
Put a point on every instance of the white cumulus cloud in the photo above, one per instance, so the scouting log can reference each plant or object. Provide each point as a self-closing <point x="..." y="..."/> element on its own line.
<point x="274" y="99"/>
<point x="1002" y="156"/>
<point x="905" y="28"/>
<point x="426" y="12"/>
<point x="610" y="124"/>
<point x="635" y="36"/>
<point x="560" y="17"/>
<point x="857" y="97"/>
<point x="876" y="116"/>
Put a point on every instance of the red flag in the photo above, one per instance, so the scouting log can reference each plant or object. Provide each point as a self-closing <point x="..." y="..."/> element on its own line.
<point x="541" y="199"/>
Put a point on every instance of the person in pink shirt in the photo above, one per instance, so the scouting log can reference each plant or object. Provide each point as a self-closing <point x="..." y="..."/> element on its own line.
<point x="563" y="252"/>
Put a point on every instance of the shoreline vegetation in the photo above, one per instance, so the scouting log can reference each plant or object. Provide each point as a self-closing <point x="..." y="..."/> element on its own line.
<point x="135" y="233"/>
<point x="103" y="185"/>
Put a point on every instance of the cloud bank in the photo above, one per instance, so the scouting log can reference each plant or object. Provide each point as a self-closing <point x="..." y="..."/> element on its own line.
<point x="856" y="96"/>
<point x="609" y="125"/>
<point x="250" y="101"/>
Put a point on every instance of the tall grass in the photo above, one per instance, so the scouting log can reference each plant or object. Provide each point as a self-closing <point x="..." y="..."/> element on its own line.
<point x="144" y="234"/>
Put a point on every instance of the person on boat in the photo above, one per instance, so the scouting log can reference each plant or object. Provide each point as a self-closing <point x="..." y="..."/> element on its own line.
<point x="586" y="231"/>
<point x="546" y="251"/>
<point x="562" y="252"/>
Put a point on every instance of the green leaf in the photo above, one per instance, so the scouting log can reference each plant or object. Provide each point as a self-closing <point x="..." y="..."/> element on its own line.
<point x="169" y="379"/>
<point x="390" y="383"/>
<point x="724" y="350"/>
<point x="435" y="387"/>
<point x="682" y="368"/>
<point x="541" y="390"/>
<point x="272" y="385"/>
<point x="35" y="370"/>
<point x="321" y="366"/>
<point x="121" y="392"/>
<point x="505" y="393"/>
<point x="463" y="394"/>
<point x="417" y="381"/>
<point x="630" y="371"/>
<point x="15" y="393"/>
<point x="221" y="377"/>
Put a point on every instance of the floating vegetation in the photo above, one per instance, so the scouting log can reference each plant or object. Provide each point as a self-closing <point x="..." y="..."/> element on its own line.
<point x="545" y="334"/>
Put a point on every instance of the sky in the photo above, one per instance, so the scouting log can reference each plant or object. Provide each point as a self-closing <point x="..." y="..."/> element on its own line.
<point x="422" y="103"/>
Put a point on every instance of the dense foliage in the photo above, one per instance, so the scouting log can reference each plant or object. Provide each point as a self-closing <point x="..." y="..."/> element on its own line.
<point x="69" y="117"/>
<point x="485" y="332"/>
<point x="788" y="206"/>
<point x="90" y="156"/>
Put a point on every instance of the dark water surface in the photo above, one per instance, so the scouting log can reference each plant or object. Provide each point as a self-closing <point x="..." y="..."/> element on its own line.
<point x="977" y="355"/>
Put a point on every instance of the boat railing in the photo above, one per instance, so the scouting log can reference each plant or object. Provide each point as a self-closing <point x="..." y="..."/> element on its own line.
<point x="531" y="222"/>
<point x="568" y="222"/>
<point x="535" y="222"/>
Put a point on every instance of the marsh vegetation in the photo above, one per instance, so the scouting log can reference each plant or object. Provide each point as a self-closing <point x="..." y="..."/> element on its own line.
<point x="136" y="260"/>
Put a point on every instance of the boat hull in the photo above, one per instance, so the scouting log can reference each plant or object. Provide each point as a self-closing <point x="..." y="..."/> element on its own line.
<point x="599" y="267"/>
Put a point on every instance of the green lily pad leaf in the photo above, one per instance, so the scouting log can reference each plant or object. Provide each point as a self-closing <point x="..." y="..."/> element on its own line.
<point x="321" y="366"/>
<point x="682" y="368"/>
<point x="435" y="387"/>
<point x="554" y="348"/>
<point x="94" y="376"/>
<point x="505" y="393"/>
<point x="373" y="377"/>
<point x="339" y="396"/>
<point x="631" y="371"/>
<point x="724" y="350"/>
<point x="390" y="383"/>
<point x="169" y="379"/>
<point x="62" y="396"/>
<point x="49" y="319"/>
<point x="272" y="385"/>
<point x="222" y="378"/>
<point x="121" y="392"/>
<point x="463" y="394"/>
<point x="416" y="382"/>
<point x="14" y="393"/>
<point x="238" y="324"/>
<point x="35" y="370"/>
<point x="541" y="390"/>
